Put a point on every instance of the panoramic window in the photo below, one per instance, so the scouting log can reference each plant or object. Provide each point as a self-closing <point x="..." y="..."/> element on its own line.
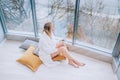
<point x="18" y="17"/>
<point x="99" y="23"/>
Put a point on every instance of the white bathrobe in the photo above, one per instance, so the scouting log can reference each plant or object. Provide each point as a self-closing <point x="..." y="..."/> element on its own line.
<point x="47" y="46"/>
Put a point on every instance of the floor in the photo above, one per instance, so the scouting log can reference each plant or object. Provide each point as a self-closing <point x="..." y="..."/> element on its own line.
<point x="12" y="70"/>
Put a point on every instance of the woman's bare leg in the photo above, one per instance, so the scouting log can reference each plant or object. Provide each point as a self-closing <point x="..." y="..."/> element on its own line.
<point x="71" y="60"/>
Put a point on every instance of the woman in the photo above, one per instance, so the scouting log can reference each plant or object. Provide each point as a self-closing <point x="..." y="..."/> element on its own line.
<point x="49" y="48"/>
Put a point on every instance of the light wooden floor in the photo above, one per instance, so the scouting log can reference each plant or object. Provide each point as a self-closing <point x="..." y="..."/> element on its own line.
<point x="12" y="70"/>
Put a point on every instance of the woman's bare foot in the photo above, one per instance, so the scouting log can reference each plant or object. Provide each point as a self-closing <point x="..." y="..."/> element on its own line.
<point x="75" y="63"/>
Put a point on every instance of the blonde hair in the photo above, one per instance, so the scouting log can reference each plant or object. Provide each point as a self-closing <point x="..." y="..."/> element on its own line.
<point x="47" y="27"/>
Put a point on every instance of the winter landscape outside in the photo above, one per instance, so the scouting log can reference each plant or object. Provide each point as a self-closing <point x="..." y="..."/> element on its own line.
<point x="98" y="25"/>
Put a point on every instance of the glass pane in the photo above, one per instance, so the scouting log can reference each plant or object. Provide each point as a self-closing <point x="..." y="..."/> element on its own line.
<point x="18" y="16"/>
<point x="110" y="7"/>
<point x="59" y="12"/>
<point x="99" y="23"/>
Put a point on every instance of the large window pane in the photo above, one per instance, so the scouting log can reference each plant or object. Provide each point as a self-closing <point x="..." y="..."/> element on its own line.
<point x="60" y="12"/>
<point x="99" y="23"/>
<point x="18" y="16"/>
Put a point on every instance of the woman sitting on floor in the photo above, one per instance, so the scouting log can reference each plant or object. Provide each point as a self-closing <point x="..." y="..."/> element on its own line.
<point x="50" y="48"/>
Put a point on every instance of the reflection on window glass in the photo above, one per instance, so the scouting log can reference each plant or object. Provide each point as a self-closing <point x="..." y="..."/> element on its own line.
<point x="17" y="15"/>
<point x="60" y="12"/>
<point x="99" y="23"/>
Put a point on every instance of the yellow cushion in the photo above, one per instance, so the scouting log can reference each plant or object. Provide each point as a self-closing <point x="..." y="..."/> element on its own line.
<point x="32" y="61"/>
<point x="59" y="57"/>
<point x="29" y="59"/>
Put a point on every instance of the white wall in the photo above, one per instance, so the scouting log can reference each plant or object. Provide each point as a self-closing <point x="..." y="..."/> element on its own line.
<point x="1" y="33"/>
